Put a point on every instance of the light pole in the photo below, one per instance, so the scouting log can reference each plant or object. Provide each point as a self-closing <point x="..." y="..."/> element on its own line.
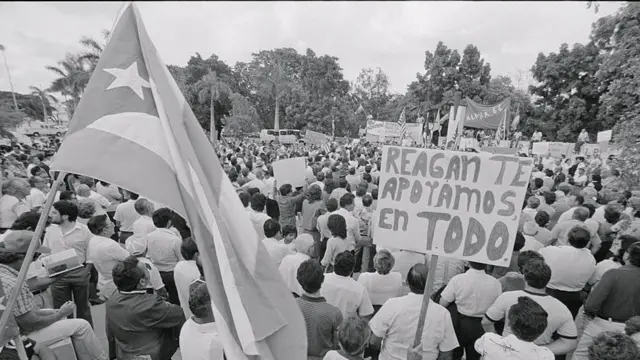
<point x="6" y="64"/>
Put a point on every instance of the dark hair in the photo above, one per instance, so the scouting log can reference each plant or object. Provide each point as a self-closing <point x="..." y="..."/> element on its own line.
<point x="519" y="243"/>
<point x="367" y="200"/>
<point x="634" y="254"/>
<point x="252" y="191"/>
<point x="417" y="278"/>
<point x="542" y="218"/>
<point x="67" y="208"/>
<point x="310" y="275"/>
<point x="579" y="237"/>
<point x="536" y="274"/>
<point x="367" y="177"/>
<point x="344" y="263"/>
<point x="579" y="199"/>
<point x="258" y="202"/>
<point x="374" y="194"/>
<point x="200" y="300"/>
<point x="127" y="274"/>
<point x="527" y="255"/>
<point x="612" y="345"/>
<point x="337" y="225"/>
<point x="289" y="229"/>
<point x="611" y="214"/>
<point x="26" y="221"/>
<point x="538" y="183"/>
<point x="188" y="248"/>
<point x="320" y="176"/>
<point x="162" y="217"/>
<point x="549" y="198"/>
<point x="332" y="205"/>
<point x="346" y="199"/>
<point x="271" y="228"/>
<point x="527" y="319"/>
<point x="9" y="258"/>
<point x="97" y="223"/>
<point x="66" y="195"/>
<point x="591" y="208"/>
<point x="286" y="189"/>
<point x="133" y="196"/>
<point x="361" y="191"/>
<point x="244" y="198"/>
<point x="477" y="266"/>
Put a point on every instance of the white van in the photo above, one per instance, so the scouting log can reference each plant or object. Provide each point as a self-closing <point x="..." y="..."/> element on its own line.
<point x="284" y="136"/>
<point x="38" y="129"/>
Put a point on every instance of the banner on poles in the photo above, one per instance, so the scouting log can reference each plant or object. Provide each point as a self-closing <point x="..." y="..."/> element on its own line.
<point x="486" y="116"/>
<point x="316" y="138"/>
<point x="460" y="205"/>
<point x="540" y="148"/>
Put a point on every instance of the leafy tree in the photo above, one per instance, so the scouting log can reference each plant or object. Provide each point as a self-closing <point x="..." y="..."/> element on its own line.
<point x="244" y="118"/>
<point x="73" y="76"/>
<point x="371" y="90"/>
<point x="620" y="72"/>
<point x="210" y="89"/>
<point x="568" y="92"/>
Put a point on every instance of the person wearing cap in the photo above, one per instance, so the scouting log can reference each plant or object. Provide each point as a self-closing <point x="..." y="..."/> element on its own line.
<point x="141" y="322"/>
<point x="137" y="247"/>
<point x="613" y="301"/>
<point x="44" y="326"/>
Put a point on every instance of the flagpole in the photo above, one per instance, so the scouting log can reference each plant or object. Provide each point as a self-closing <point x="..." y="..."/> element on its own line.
<point x="28" y="258"/>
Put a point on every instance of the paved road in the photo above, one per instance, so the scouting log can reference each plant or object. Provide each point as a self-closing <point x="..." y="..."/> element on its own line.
<point x="98" y="314"/>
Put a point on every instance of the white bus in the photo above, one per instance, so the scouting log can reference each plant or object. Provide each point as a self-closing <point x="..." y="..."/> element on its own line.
<point x="284" y="136"/>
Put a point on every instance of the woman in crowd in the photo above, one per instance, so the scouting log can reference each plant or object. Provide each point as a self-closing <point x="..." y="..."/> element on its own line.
<point x="383" y="284"/>
<point x="337" y="242"/>
<point x="311" y="209"/>
<point x="353" y="336"/>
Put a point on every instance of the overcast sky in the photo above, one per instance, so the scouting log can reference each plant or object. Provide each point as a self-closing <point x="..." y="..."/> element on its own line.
<point x="391" y="35"/>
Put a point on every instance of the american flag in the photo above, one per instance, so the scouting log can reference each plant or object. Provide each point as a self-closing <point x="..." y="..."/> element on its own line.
<point x="402" y="121"/>
<point x="133" y="118"/>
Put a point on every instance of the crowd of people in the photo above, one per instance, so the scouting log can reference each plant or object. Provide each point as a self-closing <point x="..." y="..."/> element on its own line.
<point x="570" y="292"/>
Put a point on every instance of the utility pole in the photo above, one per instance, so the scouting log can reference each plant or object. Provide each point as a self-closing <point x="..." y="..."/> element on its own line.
<point x="6" y="64"/>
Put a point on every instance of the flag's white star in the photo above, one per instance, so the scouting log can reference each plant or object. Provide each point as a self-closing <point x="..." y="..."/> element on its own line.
<point x="128" y="77"/>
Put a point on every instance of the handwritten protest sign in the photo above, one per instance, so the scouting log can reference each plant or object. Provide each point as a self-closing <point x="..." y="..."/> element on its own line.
<point x="455" y="204"/>
<point x="557" y="149"/>
<point x="290" y="171"/>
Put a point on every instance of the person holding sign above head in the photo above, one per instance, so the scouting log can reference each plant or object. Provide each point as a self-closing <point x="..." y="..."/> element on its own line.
<point x="472" y="292"/>
<point x="560" y="335"/>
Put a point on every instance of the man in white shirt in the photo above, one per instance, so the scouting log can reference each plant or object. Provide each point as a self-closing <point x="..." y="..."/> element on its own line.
<point x="125" y="216"/>
<point x="257" y="215"/>
<point x="199" y="339"/>
<point x="303" y="246"/>
<point x="185" y="272"/>
<point x="343" y="292"/>
<point x="104" y="253"/>
<point x="163" y="248"/>
<point x="581" y="176"/>
<point x="560" y="232"/>
<point x="37" y="195"/>
<point x="571" y="267"/>
<point x="537" y="136"/>
<point x="394" y="326"/>
<point x="276" y="248"/>
<point x="64" y="234"/>
<point x="473" y="293"/>
<point x="353" y="225"/>
<point x="257" y="183"/>
<point x="560" y="335"/>
<point x="144" y="224"/>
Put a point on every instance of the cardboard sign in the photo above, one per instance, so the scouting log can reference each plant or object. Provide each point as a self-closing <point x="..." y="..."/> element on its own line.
<point x="461" y="205"/>
<point x="316" y="138"/>
<point x="290" y="171"/>
<point x="540" y="148"/>
<point x="557" y="149"/>
<point x="605" y="136"/>
<point x="523" y="147"/>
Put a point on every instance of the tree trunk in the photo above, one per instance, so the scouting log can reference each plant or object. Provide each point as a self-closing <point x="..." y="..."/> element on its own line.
<point x="44" y="109"/>
<point x="276" y="123"/>
<point x="212" y="125"/>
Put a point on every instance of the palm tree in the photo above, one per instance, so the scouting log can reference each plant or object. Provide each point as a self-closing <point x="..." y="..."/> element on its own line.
<point x="94" y="49"/>
<point x="45" y="98"/>
<point x="209" y="89"/>
<point x="74" y="74"/>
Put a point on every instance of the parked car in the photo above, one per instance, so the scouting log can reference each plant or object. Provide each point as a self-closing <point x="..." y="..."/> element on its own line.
<point x="284" y="136"/>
